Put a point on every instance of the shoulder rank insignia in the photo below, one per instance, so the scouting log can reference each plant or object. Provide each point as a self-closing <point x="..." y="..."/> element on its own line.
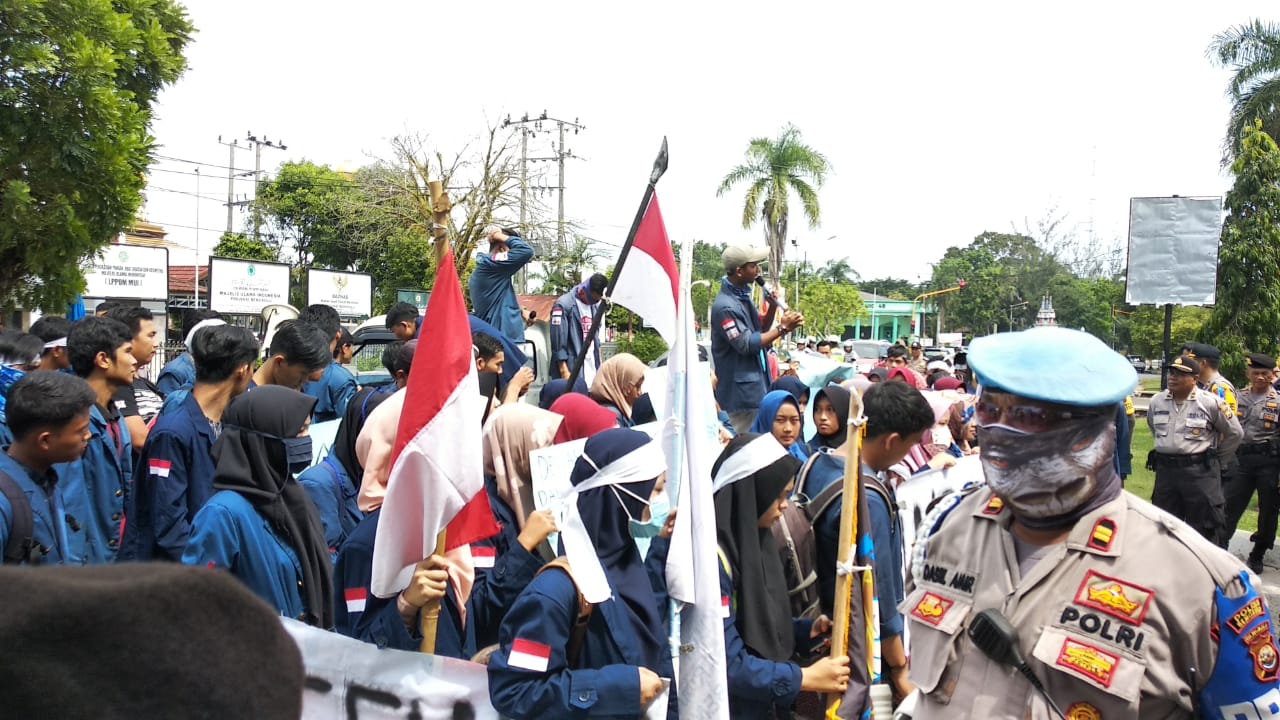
<point x="994" y="506"/>
<point x="1103" y="533"/>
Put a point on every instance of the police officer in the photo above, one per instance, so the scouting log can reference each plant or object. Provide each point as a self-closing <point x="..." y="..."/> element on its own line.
<point x="1193" y="431"/>
<point x="1119" y="609"/>
<point x="739" y="338"/>
<point x="1209" y="378"/>
<point x="1259" y="457"/>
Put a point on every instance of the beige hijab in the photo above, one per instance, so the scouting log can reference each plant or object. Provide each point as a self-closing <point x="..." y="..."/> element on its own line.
<point x="513" y="431"/>
<point x="616" y="374"/>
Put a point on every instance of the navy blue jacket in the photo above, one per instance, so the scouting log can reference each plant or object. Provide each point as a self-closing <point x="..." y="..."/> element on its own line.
<point x="604" y="682"/>
<point x="503" y="569"/>
<point x="757" y="685"/>
<point x="332" y="392"/>
<point x="103" y="480"/>
<point x="493" y="298"/>
<point x="741" y="379"/>
<point x="61" y="542"/>
<point x="173" y="480"/>
<point x="179" y="372"/>
<point x="228" y="533"/>
<point x="566" y="332"/>
<point x="331" y="491"/>
<point x="361" y="615"/>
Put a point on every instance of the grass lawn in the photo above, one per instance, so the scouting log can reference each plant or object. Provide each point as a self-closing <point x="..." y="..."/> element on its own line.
<point x="1150" y="385"/>
<point x="1142" y="479"/>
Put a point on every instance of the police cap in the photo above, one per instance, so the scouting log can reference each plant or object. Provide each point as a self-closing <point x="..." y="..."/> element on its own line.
<point x="1258" y="361"/>
<point x="1202" y="351"/>
<point x="1185" y="364"/>
<point x="1053" y="364"/>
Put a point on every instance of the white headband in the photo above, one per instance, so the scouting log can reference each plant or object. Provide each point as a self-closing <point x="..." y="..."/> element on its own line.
<point x="644" y="463"/>
<point x="759" y="453"/>
<point x="211" y="322"/>
<point x="60" y="342"/>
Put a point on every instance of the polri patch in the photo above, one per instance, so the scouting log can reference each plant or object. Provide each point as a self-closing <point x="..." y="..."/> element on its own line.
<point x="1245" y="616"/>
<point x="1083" y="711"/>
<point x="1266" y="659"/>
<point x="1088" y="661"/>
<point x="1115" y="597"/>
<point x="932" y="608"/>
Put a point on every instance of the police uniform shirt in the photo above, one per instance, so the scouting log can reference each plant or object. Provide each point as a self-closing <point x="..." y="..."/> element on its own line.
<point x="1103" y="620"/>
<point x="1222" y="387"/>
<point x="1259" y="416"/>
<point x="1198" y="424"/>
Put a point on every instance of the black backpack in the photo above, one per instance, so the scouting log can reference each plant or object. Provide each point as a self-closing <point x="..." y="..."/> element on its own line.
<point x="21" y="546"/>
<point x="797" y="543"/>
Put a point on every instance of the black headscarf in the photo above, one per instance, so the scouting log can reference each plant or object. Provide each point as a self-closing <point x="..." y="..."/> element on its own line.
<point x="344" y="443"/>
<point x="763" y="616"/>
<point x="249" y="458"/>
<point x="488" y="390"/>
<point x="839" y="399"/>
<point x="606" y="523"/>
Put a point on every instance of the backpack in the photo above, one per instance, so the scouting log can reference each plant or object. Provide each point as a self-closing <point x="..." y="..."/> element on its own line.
<point x="21" y="546"/>
<point x="797" y="543"/>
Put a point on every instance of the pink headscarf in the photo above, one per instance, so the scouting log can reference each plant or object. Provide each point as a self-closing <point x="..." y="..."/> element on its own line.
<point x="583" y="417"/>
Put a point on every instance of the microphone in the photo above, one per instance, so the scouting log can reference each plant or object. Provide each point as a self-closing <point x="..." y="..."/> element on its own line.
<point x="769" y="294"/>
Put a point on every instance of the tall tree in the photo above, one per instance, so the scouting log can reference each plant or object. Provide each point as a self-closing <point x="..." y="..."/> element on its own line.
<point x="306" y="209"/>
<point x="1248" y="309"/>
<point x="1252" y="52"/>
<point x="561" y="272"/>
<point x="893" y="288"/>
<point x="839" y="271"/>
<point x="78" y="81"/>
<point x="828" y="307"/>
<point x="237" y="245"/>
<point x="774" y="169"/>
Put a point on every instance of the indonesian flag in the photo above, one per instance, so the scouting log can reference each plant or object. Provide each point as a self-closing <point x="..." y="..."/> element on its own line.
<point x="649" y="270"/>
<point x="436" y="478"/>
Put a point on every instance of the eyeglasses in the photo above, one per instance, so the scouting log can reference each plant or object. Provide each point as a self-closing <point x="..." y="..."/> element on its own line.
<point x="1027" y="418"/>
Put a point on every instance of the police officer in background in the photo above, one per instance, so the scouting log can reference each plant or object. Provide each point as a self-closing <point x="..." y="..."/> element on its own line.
<point x="1258" y="457"/>
<point x="1119" y="609"/>
<point x="1209" y="378"/>
<point x="1194" y="432"/>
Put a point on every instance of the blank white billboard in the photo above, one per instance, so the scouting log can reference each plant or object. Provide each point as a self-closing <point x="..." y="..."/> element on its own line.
<point x="1173" y="250"/>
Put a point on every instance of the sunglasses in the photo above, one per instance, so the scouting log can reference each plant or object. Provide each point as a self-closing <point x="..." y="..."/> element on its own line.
<point x="1027" y="418"/>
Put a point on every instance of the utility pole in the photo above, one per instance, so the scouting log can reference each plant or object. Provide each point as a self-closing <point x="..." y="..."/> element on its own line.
<point x="257" y="171"/>
<point x="559" y="156"/>
<point x="232" y="203"/>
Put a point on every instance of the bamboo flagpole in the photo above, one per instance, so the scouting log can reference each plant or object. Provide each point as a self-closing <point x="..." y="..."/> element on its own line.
<point x="850" y="503"/>
<point x="659" y="167"/>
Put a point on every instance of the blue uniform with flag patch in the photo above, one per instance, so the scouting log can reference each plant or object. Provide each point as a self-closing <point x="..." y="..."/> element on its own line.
<point x="332" y="392"/>
<point x="100" y="482"/>
<point x="60" y="537"/>
<point x="741" y="378"/>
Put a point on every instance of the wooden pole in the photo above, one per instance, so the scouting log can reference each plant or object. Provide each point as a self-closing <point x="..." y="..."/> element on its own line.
<point x="429" y="616"/>
<point x="845" y="553"/>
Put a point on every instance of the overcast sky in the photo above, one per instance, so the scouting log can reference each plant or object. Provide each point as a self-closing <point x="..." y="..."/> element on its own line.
<point x="941" y="120"/>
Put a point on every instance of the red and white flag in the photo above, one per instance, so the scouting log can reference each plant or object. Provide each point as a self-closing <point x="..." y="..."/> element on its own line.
<point x="647" y="283"/>
<point x="529" y="655"/>
<point x="355" y="599"/>
<point x="436" y="479"/>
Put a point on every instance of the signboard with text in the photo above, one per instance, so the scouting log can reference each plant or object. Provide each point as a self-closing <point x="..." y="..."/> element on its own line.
<point x="417" y="298"/>
<point x="244" y="287"/>
<point x="128" y="271"/>
<point x="351" y="294"/>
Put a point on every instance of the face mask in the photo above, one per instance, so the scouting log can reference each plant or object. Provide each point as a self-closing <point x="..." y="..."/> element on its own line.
<point x="641" y="528"/>
<point x="942" y="436"/>
<point x="1051" y="474"/>
<point x="298" y="450"/>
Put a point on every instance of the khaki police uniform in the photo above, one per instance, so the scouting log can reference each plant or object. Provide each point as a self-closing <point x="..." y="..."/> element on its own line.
<point x="1222" y="387"/>
<point x="1258" y="466"/>
<point x="1191" y="439"/>
<point x="1116" y="622"/>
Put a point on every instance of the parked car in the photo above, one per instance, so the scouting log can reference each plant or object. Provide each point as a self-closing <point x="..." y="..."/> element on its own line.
<point x="1138" y="363"/>
<point x="870" y="353"/>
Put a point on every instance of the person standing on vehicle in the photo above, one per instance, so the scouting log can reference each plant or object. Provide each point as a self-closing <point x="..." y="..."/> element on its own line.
<point x="492" y="297"/>
<point x="571" y="318"/>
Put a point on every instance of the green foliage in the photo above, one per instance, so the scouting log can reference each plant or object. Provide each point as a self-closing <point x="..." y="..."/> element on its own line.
<point x="77" y="84"/>
<point x="241" y="247"/>
<point x="1146" y="329"/>
<point x="645" y="344"/>
<point x="892" y="288"/>
<point x="1001" y="271"/>
<point x="560" y="273"/>
<point x="1252" y="52"/>
<point x="1248" y="311"/>
<point x="308" y="207"/>
<point x="828" y="307"/>
<point x="774" y="169"/>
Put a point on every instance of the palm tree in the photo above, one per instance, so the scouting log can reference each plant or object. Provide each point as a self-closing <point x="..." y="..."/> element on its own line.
<point x="839" y="271"/>
<point x="1252" y="52"/>
<point x="774" y="169"/>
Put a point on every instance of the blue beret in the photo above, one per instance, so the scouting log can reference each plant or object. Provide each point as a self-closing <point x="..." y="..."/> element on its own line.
<point x="1053" y="364"/>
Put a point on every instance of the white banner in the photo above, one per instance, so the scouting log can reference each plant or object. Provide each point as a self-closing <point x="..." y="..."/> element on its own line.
<point x="551" y="467"/>
<point x="128" y="271"/>
<point x="918" y="491"/>
<point x="1173" y="232"/>
<point x="244" y="287"/>
<point x="322" y="435"/>
<point x="348" y="680"/>
<point x="351" y="294"/>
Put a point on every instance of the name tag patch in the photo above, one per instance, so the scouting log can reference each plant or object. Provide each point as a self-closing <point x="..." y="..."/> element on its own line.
<point x="958" y="580"/>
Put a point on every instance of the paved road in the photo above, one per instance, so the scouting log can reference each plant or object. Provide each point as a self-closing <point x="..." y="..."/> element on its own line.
<point x="1240" y="547"/>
